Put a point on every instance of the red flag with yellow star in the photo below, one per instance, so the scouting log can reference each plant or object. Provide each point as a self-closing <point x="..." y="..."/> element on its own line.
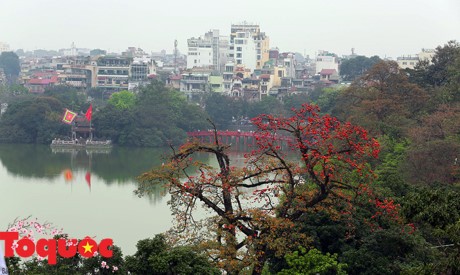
<point x="89" y="112"/>
<point x="69" y="116"/>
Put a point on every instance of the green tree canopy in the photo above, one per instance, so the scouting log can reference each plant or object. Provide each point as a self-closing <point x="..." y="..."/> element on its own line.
<point x="159" y="116"/>
<point x="32" y="120"/>
<point x="155" y="256"/>
<point x="123" y="100"/>
<point x="352" y="68"/>
<point x="9" y="62"/>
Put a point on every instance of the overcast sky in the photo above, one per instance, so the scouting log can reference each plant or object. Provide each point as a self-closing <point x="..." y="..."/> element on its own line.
<point x="373" y="27"/>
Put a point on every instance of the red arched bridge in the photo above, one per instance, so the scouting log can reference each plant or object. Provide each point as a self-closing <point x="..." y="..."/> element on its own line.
<point x="228" y="137"/>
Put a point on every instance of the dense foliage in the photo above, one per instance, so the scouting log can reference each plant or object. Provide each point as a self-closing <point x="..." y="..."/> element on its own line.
<point x="32" y="120"/>
<point x="414" y="114"/>
<point x="9" y="62"/>
<point x="352" y="68"/>
<point x="156" y="117"/>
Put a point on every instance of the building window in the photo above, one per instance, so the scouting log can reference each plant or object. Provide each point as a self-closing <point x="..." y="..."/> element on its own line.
<point x="280" y="73"/>
<point x="238" y="61"/>
<point x="238" y="49"/>
<point x="238" y="55"/>
<point x="404" y="63"/>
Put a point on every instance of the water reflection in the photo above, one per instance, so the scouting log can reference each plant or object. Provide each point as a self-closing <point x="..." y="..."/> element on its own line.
<point x="84" y="192"/>
<point x="118" y="165"/>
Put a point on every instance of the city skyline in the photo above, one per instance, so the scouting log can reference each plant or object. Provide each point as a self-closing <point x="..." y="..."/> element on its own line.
<point x="385" y="28"/>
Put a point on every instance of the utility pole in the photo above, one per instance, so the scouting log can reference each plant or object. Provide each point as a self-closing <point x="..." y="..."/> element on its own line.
<point x="175" y="56"/>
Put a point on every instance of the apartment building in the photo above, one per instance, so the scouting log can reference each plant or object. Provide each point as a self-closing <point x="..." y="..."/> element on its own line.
<point x="261" y="45"/>
<point x="210" y="50"/>
<point x="410" y="61"/>
<point x="326" y="60"/>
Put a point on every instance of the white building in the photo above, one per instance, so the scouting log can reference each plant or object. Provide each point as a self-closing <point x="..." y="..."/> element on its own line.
<point x="262" y="43"/>
<point x="4" y="47"/>
<point x="244" y="50"/>
<point x="209" y="51"/>
<point x="74" y="51"/>
<point x="426" y="54"/>
<point x="326" y="60"/>
<point x="199" y="53"/>
<point x="409" y="62"/>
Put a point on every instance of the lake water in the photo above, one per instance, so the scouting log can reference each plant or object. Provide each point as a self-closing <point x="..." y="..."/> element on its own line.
<point x="87" y="193"/>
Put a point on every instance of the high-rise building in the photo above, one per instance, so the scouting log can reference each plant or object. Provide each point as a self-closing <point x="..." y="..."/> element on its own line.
<point x="259" y="39"/>
<point x="208" y="51"/>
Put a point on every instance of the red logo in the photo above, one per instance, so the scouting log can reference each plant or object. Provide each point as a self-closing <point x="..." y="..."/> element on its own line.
<point x="49" y="248"/>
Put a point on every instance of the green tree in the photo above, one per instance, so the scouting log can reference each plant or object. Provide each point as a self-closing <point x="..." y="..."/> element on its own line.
<point x="221" y="109"/>
<point x="351" y="69"/>
<point x="123" y="100"/>
<point x="32" y="120"/>
<point x="159" y="117"/>
<point x="9" y="62"/>
<point x="155" y="256"/>
<point x="383" y="101"/>
<point x="436" y="211"/>
<point x="225" y="110"/>
<point x="9" y="93"/>
<point x="268" y="105"/>
<point x="255" y="209"/>
<point x="314" y="262"/>
<point x="71" y="98"/>
<point x="438" y="72"/>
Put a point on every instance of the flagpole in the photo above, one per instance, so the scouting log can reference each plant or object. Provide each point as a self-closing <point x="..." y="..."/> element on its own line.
<point x="90" y="120"/>
<point x="89" y="181"/>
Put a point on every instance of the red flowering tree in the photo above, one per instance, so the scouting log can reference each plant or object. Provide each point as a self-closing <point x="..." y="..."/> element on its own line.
<point x="300" y="164"/>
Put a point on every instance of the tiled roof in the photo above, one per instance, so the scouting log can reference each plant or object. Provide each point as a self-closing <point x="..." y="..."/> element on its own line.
<point x="328" y="71"/>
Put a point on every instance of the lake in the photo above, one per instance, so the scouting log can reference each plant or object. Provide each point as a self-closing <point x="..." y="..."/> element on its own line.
<point x="87" y="193"/>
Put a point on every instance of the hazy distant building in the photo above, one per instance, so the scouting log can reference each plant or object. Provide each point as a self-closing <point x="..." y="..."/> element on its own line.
<point x="113" y="72"/>
<point x="210" y="50"/>
<point x="407" y="62"/>
<point x="410" y="61"/>
<point x="193" y="84"/>
<point x="326" y="60"/>
<point x="245" y="50"/>
<point x="4" y="47"/>
<point x="289" y="62"/>
<point x="74" y="51"/>
<point x="426" y="54"/>
<point x="254" y="38"/>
